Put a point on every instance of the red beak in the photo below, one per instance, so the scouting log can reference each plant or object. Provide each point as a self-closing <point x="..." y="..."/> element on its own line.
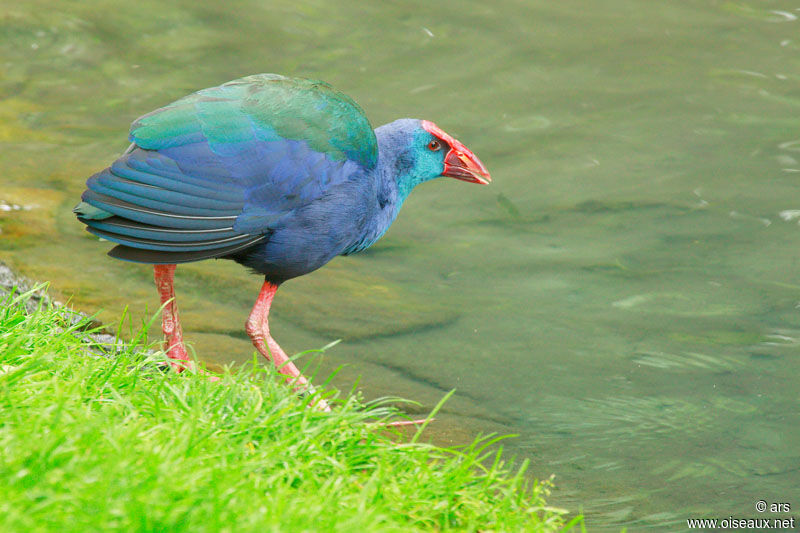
<point x="460" y="162"/>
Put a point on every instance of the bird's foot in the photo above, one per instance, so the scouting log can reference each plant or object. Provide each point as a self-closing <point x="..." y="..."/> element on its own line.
<point x="307" y="389"/>
<point x="322" y="405"/>
<point x="192" y="368"/>
<point x="178" y="357"/>
<point x="180" y="361"/>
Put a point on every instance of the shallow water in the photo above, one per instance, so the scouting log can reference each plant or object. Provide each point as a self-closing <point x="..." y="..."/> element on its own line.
<point x="624" y="296"/>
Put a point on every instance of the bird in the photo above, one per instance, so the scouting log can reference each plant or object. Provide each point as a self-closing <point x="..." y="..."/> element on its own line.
<point x="280" y="174"/>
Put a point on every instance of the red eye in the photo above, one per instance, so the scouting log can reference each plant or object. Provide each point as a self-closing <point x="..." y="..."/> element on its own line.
<point x="434" y="146"/>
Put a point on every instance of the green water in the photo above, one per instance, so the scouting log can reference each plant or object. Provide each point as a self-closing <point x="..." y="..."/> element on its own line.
<point x="624" y="296"/>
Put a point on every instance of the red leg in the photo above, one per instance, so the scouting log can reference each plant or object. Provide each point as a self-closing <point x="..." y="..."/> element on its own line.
<point x="173" y="334"/>
<point x="258" y="329"/>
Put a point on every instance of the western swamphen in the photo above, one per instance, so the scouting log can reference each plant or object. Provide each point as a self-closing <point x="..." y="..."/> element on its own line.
<point x="279" y="174"/>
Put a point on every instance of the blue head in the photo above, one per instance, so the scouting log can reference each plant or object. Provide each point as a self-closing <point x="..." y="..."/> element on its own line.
<point x="416" y="151"/>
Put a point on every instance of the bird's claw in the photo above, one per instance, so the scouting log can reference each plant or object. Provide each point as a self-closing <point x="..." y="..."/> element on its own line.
<point x="309" y="390"/>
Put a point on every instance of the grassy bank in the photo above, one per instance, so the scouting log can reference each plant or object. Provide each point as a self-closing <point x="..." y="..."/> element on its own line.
<point x="93" y="443"/>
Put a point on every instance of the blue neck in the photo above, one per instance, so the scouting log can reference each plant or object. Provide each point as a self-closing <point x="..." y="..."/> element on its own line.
<point x="391" y="182"/>
<point x="395" y="162"/>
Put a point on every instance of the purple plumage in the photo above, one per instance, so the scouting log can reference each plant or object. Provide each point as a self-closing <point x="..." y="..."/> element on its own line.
<point x="279" y="174"/>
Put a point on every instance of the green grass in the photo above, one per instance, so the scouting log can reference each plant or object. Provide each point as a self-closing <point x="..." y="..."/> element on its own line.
<point x="90" y="443"/>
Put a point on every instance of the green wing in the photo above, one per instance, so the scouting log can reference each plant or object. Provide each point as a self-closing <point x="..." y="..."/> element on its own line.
<point x="263" y="107"/>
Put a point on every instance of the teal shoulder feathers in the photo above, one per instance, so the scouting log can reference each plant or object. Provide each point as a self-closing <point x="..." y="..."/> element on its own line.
<point x="264" y="107"/>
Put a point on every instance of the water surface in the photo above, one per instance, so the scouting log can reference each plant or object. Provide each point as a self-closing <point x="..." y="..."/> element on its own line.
<point x="624" y="296"/>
